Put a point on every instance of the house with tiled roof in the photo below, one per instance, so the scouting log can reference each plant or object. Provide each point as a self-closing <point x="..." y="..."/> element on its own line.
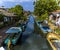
<point x="8" y="16"/>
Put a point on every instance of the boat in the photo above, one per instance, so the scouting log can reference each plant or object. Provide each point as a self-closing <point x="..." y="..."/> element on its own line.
<point x="43" y="28"/>
<point x="14" y="33"/>
<point x="22" y="25"/>
<point x="54" y="41"/>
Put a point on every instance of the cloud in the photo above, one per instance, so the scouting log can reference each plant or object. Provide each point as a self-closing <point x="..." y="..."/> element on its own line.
<point x="27" y="4"/>
<point x="16" y="0"/>
<point x="1" y="2"/>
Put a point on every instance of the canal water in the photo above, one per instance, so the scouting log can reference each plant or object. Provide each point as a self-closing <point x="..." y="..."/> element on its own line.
<point x="30" y="39"/>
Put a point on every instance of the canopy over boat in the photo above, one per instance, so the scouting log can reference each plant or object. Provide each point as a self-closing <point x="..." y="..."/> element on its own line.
<point x="14" y="30"/>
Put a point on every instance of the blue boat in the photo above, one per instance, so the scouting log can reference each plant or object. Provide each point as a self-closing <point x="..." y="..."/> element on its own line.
<point x="43" y="28"/>
<point x="14" y="33"/>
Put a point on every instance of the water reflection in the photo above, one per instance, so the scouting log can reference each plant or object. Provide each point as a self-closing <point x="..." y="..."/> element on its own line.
<point x="30" y="40"/>
<point x="29" y="28"/>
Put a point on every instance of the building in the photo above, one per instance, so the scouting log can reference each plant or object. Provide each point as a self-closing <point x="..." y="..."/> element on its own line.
<point x="26" y="13"/>
<point x="8" y="16"/>
<point x="55" y="17"/>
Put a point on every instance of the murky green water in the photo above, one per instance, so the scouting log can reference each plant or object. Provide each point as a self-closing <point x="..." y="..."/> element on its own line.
<point x="33" y="42"/>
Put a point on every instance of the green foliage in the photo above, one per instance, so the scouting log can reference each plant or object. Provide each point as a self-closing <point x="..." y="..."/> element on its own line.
<point x="1" y="25"/>
<point x="45" y="6"/>
<point x="1" y="17"/>
<point x="11" y="9"/>
<point x="43" y="17"/>
<point x="18" y="10"/>
<point x="57" y="31"/>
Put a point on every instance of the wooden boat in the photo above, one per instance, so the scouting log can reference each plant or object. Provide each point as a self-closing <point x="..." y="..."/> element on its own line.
<point x="43" y="28"/>
<point x="54" y="41"/>
<point x="14" y="33"/>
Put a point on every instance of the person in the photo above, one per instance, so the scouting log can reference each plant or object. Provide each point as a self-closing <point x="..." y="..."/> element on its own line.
<point x="50" y="17"/>
<point x="9" y="44"/>
<point x="58" y="22"/>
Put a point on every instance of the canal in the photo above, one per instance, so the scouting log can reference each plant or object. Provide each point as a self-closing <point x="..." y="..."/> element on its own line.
<point x="31" y="40"/>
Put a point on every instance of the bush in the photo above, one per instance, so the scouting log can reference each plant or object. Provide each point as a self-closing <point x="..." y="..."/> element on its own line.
<point x="58" y="31"/>
<point x="17" y="24"/>
<point x="43" y="17"/>
<point x="1" y="25"/>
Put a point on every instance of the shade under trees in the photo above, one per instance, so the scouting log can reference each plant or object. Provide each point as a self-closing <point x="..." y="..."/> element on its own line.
<point x="1" y="17"/>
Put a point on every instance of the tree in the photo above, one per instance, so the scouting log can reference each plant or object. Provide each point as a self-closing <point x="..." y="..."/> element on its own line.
<point x="1" y="17"/>
<point x="11" y="9"/>
<point x="45" y="6"/>
<point x="18" y="10"/>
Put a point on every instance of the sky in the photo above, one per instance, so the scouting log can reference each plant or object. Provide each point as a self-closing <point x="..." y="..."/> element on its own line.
<point x="27" y="4"/>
